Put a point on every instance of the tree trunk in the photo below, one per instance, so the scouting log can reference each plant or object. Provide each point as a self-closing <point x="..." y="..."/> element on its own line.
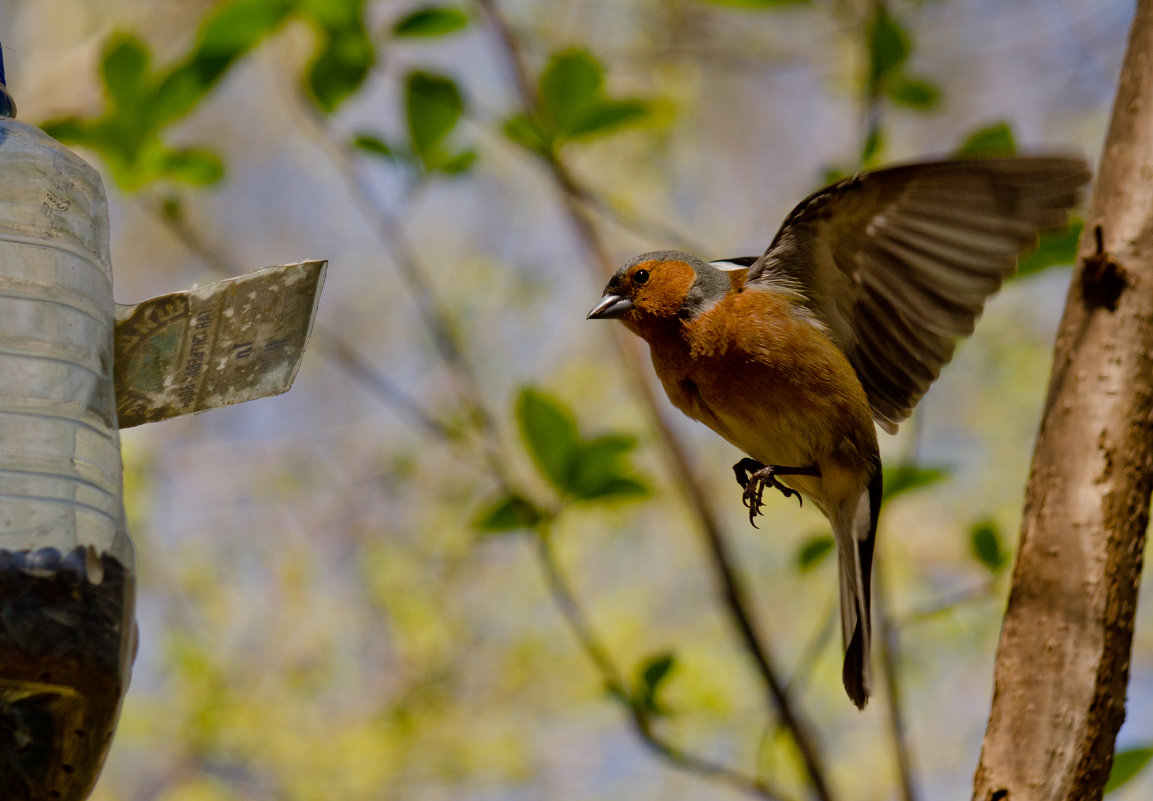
<point x="1063" y="660"/>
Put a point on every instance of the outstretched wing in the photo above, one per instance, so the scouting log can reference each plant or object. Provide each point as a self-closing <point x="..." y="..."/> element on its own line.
<point x="899" y="262"/>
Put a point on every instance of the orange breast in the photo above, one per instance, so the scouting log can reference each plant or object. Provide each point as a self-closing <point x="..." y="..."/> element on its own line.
<point x="770" y="382"/>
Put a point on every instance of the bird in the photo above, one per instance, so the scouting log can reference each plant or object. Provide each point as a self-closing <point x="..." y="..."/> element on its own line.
<point x="840" y="326"/>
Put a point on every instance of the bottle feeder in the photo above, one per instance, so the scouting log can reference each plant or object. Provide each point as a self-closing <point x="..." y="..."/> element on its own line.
<point x="74" y="369"/>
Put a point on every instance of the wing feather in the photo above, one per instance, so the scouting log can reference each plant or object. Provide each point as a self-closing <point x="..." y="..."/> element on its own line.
<point x="898" y="263"/>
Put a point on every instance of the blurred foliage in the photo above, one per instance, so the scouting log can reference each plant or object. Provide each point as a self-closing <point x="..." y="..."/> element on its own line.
<point x="889" y="49"/>
<point x="985" y="543"/>
<point x="1127" y="765"/>
<point x="404" y="644"/>
<point x="142" y="103"/>
<point x="573" y="105"/>
<point x="992" y="141"/>
<point x="814" y="550"/>
<point x="433" y="105"/>
<point x="1055" y="249"/>
<point x="431" y="21"/>
<point x="651" y="675"/>
<point x="578" y="469"/>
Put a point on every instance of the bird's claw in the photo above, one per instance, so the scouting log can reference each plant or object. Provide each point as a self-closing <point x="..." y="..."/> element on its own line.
<point x="744" y="468"/>
<point x="753" y="478"/>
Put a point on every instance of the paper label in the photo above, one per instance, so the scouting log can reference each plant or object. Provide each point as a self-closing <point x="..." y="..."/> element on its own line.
<point x="228" y="342"/>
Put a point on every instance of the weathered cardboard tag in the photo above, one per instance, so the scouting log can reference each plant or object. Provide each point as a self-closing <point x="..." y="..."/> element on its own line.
<point x="228" y="342"/>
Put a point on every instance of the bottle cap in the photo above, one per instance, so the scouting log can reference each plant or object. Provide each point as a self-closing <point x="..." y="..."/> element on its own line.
<point x="7" y="104"/>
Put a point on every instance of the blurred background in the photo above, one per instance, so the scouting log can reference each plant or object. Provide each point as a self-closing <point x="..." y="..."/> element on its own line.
<point x="367" y="588"/>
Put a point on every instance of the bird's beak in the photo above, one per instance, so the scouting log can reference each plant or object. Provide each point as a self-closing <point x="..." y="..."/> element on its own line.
<point x="610" y="307"/>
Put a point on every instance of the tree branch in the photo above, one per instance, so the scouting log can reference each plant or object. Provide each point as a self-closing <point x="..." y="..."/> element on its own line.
<point x="889" y="653"/>
<point x="338" y="349"/>
<point x="1063" y="659"/>
<point x="618" y="687"/>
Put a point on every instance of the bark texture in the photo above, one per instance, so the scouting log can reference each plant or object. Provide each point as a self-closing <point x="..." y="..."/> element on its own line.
<point x="1063" y="659"/>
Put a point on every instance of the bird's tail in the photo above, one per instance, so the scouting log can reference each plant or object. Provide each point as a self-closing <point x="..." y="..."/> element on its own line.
<point x="855" y="546"/>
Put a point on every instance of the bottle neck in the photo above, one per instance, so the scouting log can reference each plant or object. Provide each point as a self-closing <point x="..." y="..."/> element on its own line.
<point x="7" y="104"/>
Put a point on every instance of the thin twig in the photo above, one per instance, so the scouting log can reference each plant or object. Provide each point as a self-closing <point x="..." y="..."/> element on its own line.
<point x="890" y="654"/>
<point x="812" y="652"/>
<point x="338" y="349"/>
<point x="618" y="687"/>
<point x="636" y="223"/>
<point x="949" y="602"/>
<point x="433" y="314"/>
<point x="732" y="592"/>
<point x="432" y="311"/>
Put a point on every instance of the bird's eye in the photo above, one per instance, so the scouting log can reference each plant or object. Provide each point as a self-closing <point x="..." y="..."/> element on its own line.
<point x="641" y="277"/>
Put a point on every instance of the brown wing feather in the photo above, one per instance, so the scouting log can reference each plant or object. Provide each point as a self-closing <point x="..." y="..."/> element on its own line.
<point x="898" y="263"/>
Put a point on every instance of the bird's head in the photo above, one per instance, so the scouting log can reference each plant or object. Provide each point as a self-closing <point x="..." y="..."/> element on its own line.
<point x="663" y="285"/>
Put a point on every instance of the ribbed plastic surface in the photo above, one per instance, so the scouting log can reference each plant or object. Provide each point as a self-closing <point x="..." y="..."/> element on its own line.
<point x="66" y="562"/>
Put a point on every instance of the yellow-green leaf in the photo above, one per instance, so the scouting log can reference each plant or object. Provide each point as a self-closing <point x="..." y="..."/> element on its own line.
<point x="433" y="106"/>
<point x="994" y="140"/>
<point x="508" y="513"/>
<point x="1126" y="765"/>
<point x="431" y="21"/>
<point x="549" y="433"/>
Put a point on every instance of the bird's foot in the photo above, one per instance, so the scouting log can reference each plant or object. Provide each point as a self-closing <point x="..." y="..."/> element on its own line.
<point x="754" y="477"/>
<point x="745" y="468"/>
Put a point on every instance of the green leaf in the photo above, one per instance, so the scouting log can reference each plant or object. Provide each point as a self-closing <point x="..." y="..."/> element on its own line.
<point x="433" y="105"/>
<point x="124" y="70"/>
<point x="1054" y="249"/>
<point x="332" y="14"/>
<point x="549" y="434"/>
<point x="229" y="31"/>
<point x="873" y="144"/>
<point x="607" y="116"/>
<point x="192" y="166"/>
<point x="75" y="131"/>
<point x="651" y="676"/>
<point x="985" y="544"/>
<point x="341" y="67"/>
<point x="601" y="455"/>
<point x="431" y="21"/>
<point x="992" y="140"/>
<point x="569" y="87"/>
<point x="618" y="488"/>
<point x="508" y="513"/>
<point x="596" y="469"/>
<point x="373" y="145"/>
<point x="180" y="90"/>
<point x="521" y="129"/>
<point x="459" y="164"/>
<point x="888" y="46"/>
<point x="905" y="478"/>
<point x="1126" y="765"/>
<point x="913" y="92"/>
<point x="813" y="551"/>
<point x="573" y="104"/>
<point x="832" y="174"/>
<point x="233" y="28"/>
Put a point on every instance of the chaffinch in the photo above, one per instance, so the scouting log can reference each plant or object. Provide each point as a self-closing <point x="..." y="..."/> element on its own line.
<point x="845" y="319"/>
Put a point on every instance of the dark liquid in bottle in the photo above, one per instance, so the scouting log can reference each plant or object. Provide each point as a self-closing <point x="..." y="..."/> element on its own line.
<point x="66" y="647"/>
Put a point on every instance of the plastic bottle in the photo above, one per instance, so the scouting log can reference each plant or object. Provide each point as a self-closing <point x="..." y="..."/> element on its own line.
<point x="67" y="636"/>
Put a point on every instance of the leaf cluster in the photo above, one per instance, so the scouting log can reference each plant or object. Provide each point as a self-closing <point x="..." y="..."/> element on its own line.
<point x="142" y="100"/>
<point x="579" y="469"/>
<point x="572" y="105"/>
